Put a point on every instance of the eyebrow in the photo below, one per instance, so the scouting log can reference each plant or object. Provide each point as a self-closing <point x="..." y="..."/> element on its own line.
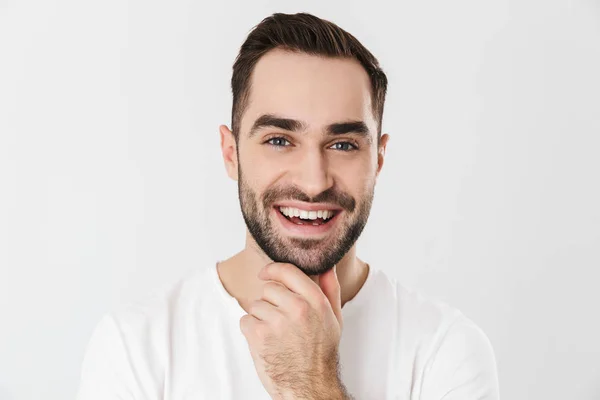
<point x="293" y="125"/>
<point x="270" y="120"/>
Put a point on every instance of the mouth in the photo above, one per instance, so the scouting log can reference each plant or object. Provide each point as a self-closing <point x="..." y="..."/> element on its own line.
<point x="304" y="222"/>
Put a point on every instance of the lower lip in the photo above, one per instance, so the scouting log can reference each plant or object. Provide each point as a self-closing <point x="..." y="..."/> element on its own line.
<point x="306" y="229"/>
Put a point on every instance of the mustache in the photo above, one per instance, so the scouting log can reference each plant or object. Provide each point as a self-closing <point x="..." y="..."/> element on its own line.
<point x="331" y="195"/>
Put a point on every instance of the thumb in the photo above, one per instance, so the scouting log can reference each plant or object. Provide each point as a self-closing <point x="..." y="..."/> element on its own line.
<point x="330" y="286"/>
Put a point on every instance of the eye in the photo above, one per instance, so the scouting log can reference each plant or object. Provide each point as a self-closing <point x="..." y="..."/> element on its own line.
<point x="278" y="141"/>
<point x="344" y="146"/>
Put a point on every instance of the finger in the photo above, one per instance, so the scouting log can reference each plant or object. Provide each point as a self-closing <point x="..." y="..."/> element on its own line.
<point x="278" y="295"/>
<point x="263" y="310"/>
<point x="249" y="325"/>
<point x="295" y="280"/>
<point x="331" y="288"/>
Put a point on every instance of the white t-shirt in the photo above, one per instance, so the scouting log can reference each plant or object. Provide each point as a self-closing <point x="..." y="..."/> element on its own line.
<point x="185" y="343"/>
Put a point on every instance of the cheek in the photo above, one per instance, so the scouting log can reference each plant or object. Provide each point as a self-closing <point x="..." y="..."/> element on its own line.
<point x="260" y="178"/>
<point x="259" y="168"/>
<point x="267" y="168"/>
<point x="356" y="175"/>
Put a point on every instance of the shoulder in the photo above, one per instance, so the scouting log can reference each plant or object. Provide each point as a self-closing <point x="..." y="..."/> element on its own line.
<point x="158" y="313"/>
<point x="462" y="364"/>
<point x="129" y="348"/>
<point x="417" y="317"/>
<point x="454" y="353"/>
<point x="143" y="326"/>
<point x="427" y="315"/>
<point x="438" y="322"/>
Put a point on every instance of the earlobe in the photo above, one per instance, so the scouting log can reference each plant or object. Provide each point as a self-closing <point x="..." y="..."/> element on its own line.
<point x="229" y="151"/>
<point x="381" y="151"/>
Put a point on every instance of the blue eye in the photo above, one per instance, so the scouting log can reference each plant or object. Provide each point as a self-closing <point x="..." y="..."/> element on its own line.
<point x="277" y="141"/>
<point x="344" y="146"/>
<point x="283" y="142"/>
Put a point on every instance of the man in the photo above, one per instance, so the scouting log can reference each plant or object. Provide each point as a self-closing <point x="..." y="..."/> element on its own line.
<point x="296" y="314"/>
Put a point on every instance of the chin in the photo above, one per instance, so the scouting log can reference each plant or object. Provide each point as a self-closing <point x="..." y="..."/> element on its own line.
<point x="315" y="265"/>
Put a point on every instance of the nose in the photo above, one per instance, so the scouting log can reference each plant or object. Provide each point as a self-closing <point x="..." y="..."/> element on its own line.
<point x="311" y="173"/>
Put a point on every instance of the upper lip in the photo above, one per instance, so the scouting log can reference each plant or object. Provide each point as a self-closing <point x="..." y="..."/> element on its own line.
<point x="308" y="206"/>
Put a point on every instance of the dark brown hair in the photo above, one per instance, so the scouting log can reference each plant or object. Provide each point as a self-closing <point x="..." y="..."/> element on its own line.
<point x="305" y="33"/>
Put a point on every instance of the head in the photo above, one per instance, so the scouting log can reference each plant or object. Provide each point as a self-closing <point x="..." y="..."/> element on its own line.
<point x="305" y="145"/>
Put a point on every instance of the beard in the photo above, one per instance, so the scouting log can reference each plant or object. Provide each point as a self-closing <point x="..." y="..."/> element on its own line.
<point x="311" y="256"/>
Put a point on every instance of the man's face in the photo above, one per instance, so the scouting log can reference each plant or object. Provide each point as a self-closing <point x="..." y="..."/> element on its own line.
<point x="307" y="158"/>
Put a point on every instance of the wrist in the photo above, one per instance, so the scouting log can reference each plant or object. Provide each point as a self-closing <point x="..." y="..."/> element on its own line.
<point x="342" y="393"/>
<point x="335" y="390"/>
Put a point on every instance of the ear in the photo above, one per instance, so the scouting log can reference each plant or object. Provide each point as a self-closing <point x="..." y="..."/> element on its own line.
<point x="229" y="150"/>
<point x="381" y="151"/>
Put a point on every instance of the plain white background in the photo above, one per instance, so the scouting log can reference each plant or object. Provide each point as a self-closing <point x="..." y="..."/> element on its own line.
<point x="112" y="183"/>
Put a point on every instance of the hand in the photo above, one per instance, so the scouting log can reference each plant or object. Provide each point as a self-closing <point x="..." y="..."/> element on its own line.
<point x="293" y="333"/>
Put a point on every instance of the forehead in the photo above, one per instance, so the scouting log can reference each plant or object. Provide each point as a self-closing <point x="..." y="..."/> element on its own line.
<point x="316" y="90"/>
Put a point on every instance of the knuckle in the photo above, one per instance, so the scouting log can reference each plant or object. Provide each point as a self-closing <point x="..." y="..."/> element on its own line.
<point x="245" y="322"/>
<point x="279" y="323"/>
<point x="252" y="329"/>
<point x="270" y="287"/>
<point x="323" y="303"/>
<point x="301" y="308"/>
<point x="261" y="332"/>
<point x="254" y="306"/>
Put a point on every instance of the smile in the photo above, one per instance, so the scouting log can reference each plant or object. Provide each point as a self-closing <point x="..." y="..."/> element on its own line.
<point x="301" y="222"/>
<point x="302" y="217"/>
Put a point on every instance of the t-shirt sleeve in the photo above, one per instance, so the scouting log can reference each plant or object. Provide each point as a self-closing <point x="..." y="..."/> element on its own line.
<point x="106" y="371"/>
<point x="463" y="367"/>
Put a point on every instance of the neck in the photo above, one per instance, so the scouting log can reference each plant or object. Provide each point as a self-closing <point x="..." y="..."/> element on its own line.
<point x="238" y="274"/>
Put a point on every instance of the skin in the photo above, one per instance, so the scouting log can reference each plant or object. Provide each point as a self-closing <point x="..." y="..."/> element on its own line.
<point x="293" y="323"/>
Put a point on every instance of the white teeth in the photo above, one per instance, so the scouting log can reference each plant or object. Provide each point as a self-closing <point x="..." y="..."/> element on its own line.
<point x="309" y="215"/>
